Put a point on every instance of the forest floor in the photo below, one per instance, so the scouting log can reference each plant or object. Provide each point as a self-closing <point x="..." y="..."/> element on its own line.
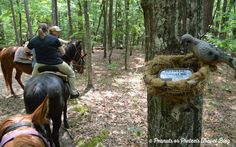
<point x="114" y="113"/>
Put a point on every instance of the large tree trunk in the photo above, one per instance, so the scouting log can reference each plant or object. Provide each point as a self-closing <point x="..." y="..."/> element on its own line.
<point x="14" y="23"/>
<point x="28" y="20"/>
<point x="165" y="22"/>
<point x="69" y="19"/>
<point x="54" y="13"/>
<point x="126" y="33"/>
<point x="110" y="30"/>
<point x="88" y="45"/>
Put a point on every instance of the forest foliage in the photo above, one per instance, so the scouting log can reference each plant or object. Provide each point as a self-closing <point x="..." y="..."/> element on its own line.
<point x="40" y="11"/>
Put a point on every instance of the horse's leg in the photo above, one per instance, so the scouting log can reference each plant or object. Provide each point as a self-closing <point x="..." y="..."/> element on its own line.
<point x="56" y="120"/>
<point x="49" y="133"/>
<point x="66" y="125"/>
<point x="18" y="78"/>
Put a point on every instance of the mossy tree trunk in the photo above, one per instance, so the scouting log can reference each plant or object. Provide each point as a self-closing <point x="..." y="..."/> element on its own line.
<point x="165" y="22"/>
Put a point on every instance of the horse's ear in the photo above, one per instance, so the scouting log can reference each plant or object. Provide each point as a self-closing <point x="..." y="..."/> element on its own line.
<point x="39" y="116"/>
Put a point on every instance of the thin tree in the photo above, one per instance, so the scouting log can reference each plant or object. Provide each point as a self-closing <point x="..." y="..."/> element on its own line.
<point x="54" y="13"/>
<point x="20" y="21"/>
<point x="88" y="45"/>
<point x="126" y="33"/>
<point x="104" y="4"/>
<point x="14" y="22"/>
<point x="110" y="30"/>
<point x="2" y="36"/>
<point x="69" y="18"/>
<point x="30" y="35"/>
<point x="223" y="19"/>
<point x="116" y="24"/>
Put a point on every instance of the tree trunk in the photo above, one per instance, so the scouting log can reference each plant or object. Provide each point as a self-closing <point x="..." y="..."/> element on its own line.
<point x="28" y="20"/>
<point x="165" y="22"/>
<point x="105" y="2"/>
<point x="54" y="13"/>
<point x="126" y="33"/>
<point x="110" y="30"/>
<point x="207" y="13"/>
<point x="217" y="22"/>
<point x="80" y="22"/>
<point x="69" y="19"/>
<point x="14" y="23"/>
<point x="223" y="20"/>
<point x="2" y="36"/>
<point x="20" y="21"/>
<point x="116" y="25"/>
<point x="88" y="45"/>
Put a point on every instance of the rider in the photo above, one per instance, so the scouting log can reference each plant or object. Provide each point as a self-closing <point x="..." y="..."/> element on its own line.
<point x="48" y="49"/>
<point x="56" y="31"/>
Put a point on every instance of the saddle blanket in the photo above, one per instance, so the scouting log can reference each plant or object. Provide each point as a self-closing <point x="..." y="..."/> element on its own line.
<point x="21" y="57"/>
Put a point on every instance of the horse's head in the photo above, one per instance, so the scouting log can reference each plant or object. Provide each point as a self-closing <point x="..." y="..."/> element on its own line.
<point x="75" y="56"/>
<point x="19" y="130"/>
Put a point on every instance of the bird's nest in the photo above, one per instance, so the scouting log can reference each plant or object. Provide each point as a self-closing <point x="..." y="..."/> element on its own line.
<point x="176" y="91"/>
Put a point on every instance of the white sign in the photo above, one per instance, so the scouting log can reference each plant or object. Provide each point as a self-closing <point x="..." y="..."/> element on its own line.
<point x="175" y="74"/>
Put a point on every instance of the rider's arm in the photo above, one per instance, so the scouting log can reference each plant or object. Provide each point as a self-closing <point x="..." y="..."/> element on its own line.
<point x="63" y="41"/>
<point x="61" y="50"/>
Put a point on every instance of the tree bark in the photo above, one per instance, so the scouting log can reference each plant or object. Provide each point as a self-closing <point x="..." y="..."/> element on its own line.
<point x="126" y="33"/>
<point x="14" y="23"/>
<point x="165" y="22"/>
<point x="88" y="45"/>
<point x="110" y="48"/>
<point x="54" y="13"/>
<point x="30" y="35"/>
<point x="69" y="19"/>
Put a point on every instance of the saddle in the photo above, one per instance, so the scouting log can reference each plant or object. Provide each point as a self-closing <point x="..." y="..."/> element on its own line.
<point x="52" y="70"/>
<point x="22" y="57"/>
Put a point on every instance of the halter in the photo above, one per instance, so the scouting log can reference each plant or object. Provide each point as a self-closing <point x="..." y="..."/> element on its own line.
<point x="5" y="138"/>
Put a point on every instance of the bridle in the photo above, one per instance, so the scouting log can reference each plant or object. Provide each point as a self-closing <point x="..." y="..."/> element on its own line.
<point x="77" y="52"/>
<point x="6" y="136"/>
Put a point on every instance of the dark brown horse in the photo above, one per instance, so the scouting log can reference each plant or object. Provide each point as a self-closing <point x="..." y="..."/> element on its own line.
<point x="19" y="130"/>
<point x="72" y="53"/>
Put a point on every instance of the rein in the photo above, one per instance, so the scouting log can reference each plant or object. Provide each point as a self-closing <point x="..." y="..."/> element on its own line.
<point x="5" y="137"/>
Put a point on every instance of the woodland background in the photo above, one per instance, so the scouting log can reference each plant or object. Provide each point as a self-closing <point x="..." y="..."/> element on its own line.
<point x="143" y="29"/>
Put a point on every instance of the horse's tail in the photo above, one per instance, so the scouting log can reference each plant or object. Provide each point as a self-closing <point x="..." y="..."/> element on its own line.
<point x="5" y="74"/>
<point x="39" y="116"/>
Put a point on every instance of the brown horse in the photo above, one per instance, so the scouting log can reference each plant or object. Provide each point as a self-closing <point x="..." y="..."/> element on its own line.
<point x="72" y="53"/>
<point x="19" y="130"/>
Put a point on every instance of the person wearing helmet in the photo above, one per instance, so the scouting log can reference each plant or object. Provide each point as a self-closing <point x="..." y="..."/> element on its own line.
<point x="47" y="50"/>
